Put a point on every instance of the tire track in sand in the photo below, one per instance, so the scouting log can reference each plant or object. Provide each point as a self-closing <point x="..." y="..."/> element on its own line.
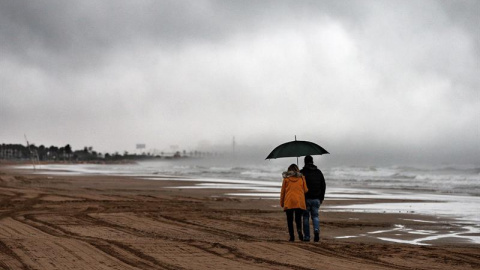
<point x="353" y="256"/>
<point x="115" y="249"/>
<point x="229" y="252"/>
<point x="9" y="259"/>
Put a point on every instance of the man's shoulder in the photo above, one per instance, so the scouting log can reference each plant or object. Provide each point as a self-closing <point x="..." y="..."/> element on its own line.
<point x="311" y="169"/>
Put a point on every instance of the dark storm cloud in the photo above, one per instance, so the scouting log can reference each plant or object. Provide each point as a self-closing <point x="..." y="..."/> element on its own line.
<point x="75" y="34"/>
<point x="78" y="32"/>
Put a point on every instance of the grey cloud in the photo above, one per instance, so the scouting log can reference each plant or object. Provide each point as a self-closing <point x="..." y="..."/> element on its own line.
<point x="85" y="27"/>
<point x="389" y="76"/>
<point x="76" y="34"/>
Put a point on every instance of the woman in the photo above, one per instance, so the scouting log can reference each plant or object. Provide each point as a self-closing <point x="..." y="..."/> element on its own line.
<point x="292" y="199"/>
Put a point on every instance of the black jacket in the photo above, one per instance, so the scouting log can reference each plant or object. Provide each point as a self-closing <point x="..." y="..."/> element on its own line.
<point x="315" y="182"/>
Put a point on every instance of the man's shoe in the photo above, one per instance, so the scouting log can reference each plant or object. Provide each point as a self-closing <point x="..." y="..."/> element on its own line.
<point x="292" y="238"/>
<point x="317" y="237"/>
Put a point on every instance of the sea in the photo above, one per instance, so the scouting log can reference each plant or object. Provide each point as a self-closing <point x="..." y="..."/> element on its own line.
<point x="444" y="191"/>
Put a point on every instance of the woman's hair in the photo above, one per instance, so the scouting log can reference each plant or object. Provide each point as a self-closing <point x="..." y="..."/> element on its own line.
<point x="293" y="168"/>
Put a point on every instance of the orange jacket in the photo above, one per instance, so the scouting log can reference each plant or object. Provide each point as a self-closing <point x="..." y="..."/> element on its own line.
<point x="293" y="192"/>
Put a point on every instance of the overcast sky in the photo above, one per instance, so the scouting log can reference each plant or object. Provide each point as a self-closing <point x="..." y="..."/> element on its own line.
<point x="367" y="80"/>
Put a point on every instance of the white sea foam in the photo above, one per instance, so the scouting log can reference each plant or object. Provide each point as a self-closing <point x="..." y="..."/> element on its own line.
<point x="463" y="207"/>
<point x="453" y="179"/>
<point x="424" y="237"/>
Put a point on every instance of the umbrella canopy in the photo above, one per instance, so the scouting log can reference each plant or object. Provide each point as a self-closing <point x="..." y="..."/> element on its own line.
<point x="297" y="149"/>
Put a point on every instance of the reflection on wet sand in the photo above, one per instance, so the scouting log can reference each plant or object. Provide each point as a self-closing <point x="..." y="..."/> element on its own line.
<point x="460" y="209"/>
<point x="403" y="233"/>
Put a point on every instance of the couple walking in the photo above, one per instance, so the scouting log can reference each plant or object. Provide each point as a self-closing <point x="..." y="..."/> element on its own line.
<point x="303" y="191"/>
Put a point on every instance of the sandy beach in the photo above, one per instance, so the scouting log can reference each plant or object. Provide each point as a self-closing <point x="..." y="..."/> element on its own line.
<point x="113" y="222"/>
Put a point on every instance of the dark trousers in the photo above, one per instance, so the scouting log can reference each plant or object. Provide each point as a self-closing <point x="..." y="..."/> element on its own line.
<point x="298" y="213"/>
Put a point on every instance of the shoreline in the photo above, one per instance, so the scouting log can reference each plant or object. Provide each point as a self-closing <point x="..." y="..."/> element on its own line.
<point x="432" y="207"/>
<point x="131" y="223"/>
<point x="460" y="207"/>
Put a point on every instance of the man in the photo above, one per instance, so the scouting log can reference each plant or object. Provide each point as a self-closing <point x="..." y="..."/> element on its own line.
<point x="313" y="198"/>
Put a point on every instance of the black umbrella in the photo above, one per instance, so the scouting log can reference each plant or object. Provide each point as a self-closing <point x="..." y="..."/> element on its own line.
<point x="297" y="149"/>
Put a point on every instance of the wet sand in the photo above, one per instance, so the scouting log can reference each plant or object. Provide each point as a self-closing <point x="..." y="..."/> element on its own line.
<point x="106" y="222"/>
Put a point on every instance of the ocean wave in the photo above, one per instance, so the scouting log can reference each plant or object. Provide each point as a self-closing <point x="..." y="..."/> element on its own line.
<point x="443" y="179"/>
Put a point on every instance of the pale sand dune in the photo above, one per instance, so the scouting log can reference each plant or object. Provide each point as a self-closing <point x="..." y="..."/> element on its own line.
<point x="101" y="222"/>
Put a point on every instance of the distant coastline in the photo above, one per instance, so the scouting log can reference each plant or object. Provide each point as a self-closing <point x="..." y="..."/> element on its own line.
<point x="65" y="154"/>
